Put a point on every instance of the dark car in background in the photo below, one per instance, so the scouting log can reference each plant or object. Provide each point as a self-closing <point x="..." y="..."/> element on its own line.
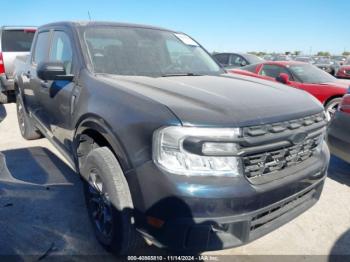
<point x="326" y="88"/>
<point x="344" y="70"/>
<point x="234" y="60"/>
<point x="169" y="146"/>
<point x="339" y="130"/>
<point x="14" y="41"/>
<point x="326" y="64"/>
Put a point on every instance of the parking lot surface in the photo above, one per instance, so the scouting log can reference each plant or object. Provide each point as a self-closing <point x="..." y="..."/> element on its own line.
<point x="42" y="209"/>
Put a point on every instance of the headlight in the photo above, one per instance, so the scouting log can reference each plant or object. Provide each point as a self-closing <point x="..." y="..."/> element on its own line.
<point x="196" y="151"/>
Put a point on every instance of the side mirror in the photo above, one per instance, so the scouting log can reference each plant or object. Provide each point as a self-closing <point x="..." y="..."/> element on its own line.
<point x="283" y="78"/>
<point x="52" y="71"/>
<point x="243" y="63"/>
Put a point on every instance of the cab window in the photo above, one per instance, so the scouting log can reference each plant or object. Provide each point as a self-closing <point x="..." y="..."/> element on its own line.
<point x="61" y="50"/>
<point x="41" y="47"/>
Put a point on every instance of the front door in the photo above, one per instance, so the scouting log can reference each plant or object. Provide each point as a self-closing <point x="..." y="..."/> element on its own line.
<point x="56" y="96"/>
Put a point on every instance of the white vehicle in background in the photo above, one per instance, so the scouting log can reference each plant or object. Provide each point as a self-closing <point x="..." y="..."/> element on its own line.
<point x="14" y="41"/>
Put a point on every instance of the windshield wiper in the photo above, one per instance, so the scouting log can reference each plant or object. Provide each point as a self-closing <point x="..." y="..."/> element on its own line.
<point x="181" y="74"/>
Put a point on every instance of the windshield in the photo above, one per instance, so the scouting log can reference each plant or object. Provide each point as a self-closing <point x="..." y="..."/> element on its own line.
<point x="146" y="52"/>
<point x="310" y="74"/>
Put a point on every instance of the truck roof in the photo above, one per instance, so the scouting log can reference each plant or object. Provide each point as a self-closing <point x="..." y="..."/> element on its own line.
<point x="101" y="23"/>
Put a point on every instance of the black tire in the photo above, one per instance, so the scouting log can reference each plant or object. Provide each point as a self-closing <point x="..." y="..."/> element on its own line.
<point x="109" y="202"/>
<point x="28" y="130"/>
<point x="332" y="106"/>
<point x="3" y="98"/>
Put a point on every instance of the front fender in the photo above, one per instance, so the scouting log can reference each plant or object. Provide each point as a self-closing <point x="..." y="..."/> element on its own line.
<point x="92" y="122"/>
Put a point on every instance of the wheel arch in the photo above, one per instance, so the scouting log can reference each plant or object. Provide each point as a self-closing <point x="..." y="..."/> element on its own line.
<point x="94" y="131"/>
<point x="331" y="98"/>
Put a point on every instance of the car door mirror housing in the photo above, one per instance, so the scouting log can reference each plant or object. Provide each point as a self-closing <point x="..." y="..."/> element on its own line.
<point x="283" y="78"/>
<point x="52" y="71"/>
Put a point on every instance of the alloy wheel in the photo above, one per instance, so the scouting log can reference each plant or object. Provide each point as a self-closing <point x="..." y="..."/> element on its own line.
<point x="99" y="204"/>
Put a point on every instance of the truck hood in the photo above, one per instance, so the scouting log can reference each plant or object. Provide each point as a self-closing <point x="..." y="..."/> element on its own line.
<point x="226" y="100"/>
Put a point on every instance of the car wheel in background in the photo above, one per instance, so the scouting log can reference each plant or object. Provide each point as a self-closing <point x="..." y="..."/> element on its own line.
<point x="332" y="106"/>
<point x="109" y="202"/>
<point x="28" y="131"/>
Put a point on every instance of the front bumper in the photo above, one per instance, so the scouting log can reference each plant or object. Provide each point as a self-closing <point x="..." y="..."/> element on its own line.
<point x="211" y="213"/>
<point x="226" y="232"/>
<point x="6" y="84"/>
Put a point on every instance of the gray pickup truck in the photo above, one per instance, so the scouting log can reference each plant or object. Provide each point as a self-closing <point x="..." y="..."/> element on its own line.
<point x="169" y="146"/>
<point x="14" y="41"/>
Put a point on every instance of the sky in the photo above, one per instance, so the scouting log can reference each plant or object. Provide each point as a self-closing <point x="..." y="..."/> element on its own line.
<point x="219" y="25"/>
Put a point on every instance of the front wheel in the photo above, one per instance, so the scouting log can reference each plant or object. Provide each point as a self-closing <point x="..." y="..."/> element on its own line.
<point x="332" y="106"/>
<point x="109" y="202"/>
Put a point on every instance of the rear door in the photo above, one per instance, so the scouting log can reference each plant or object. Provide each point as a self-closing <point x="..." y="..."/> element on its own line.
<point x="32" y="88"/>
<point x="15" y="42"/>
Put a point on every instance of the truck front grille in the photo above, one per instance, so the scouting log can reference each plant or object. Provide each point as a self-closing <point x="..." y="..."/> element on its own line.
<point x="271" y="148"/>
<point x="265" y="163"/>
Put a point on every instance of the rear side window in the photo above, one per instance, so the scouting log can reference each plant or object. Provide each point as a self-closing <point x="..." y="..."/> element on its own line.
<point x="17" y="40"/>
<point x="41" y="47"/>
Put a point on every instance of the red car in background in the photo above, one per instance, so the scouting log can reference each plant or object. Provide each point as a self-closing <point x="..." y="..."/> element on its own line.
<point x="344" y="70"/>
<point x="326" y="88"/>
